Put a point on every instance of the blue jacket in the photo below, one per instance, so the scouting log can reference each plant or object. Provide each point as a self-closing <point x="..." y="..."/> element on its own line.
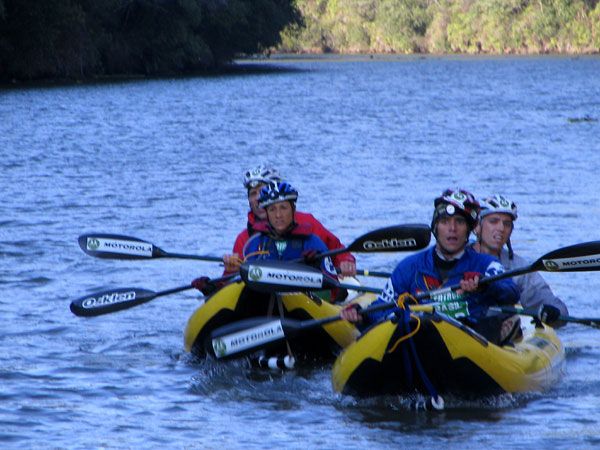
<point x="416" y="274"/>
<point x="291" y="247"/>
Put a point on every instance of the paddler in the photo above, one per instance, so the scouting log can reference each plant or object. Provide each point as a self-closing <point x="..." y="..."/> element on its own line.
<point x="280" y="237"/>
<point x="447" y="263"/>
<point x="493" y="230"/>
<point x="254" y="180"/>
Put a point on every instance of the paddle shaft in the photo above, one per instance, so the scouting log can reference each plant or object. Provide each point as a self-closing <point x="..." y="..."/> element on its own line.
<point x="312" y="323"/>
<point x="107" y="302"/>
<point x="370" y="273"/>
<point x="116" y="246"/>
<point x="171" y="291"/>
<point x="593" y="322"/>
<point x="208" y="258"/>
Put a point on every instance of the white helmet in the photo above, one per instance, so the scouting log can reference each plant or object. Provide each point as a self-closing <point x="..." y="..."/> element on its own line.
<point x="498" y="204"/>
<point x="260" y="174"/>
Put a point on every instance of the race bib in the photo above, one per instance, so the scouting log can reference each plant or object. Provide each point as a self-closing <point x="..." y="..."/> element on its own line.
<point x="451" y="304"/>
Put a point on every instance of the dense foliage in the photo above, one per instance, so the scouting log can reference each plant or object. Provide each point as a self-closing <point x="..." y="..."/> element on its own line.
<point x="443" y="26"/>
<point x="85" y="38"/>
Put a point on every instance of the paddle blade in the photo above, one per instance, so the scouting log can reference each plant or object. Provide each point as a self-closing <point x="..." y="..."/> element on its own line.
<point x="398" y="238"/>
<point x="114" y="246"/>
<point x="110" y="301"/>
<point x="245" y="336"/>
<point x="575" y="258"/>
<point x="281" y="276"/>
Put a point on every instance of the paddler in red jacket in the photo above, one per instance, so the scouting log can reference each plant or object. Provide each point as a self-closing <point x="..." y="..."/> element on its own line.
<point x="254" y="180"/>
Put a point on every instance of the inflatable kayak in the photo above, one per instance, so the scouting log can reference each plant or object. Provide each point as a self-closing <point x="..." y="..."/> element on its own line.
<point x="431" y="353"/>
<point x="235" y="302"/>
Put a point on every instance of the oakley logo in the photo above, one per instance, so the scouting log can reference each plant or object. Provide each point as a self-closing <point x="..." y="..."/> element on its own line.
<point x="386" y="244"/>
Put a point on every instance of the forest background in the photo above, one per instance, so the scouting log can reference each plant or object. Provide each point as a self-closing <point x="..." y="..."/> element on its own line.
<point x="83" y="39"/>
<point x="446" y="26"/>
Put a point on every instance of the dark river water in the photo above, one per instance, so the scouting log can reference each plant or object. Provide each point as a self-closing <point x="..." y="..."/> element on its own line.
<point x="368" y="143"/>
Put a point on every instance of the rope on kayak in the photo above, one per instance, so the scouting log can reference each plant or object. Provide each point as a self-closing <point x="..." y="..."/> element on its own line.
<point x="435" y="401"/>
<point x="256" y="253"/>
<point x="281" y="315"/>
<point x="406" y="336"/>
<point x="287" y="362"/>
<point x="405" y="322"/>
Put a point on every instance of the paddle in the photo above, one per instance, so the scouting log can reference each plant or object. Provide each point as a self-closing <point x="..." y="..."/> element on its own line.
<point x="113" y="300"/>
<point x="389" y="239"/>
<point x="115" y="246"/>
<point x="248" y="335"/>
<point x="395" y="238"/>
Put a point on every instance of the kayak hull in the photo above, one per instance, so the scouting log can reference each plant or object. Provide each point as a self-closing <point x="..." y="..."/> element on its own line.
<point x="235" y="302"/>
<point x="435" y="352"/>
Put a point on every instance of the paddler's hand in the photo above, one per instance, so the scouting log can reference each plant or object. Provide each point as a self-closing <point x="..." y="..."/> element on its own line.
<point x="350" y="313"/>
<point x="232" y="263"/>
<point x="348" y="268"/>
<point x="469" y="283"/>
<point x="548" y="314"/>
<point x="310" y="257"/>
<point x="204" y="285"/>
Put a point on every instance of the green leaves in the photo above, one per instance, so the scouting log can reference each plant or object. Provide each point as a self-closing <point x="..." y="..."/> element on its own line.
<point x="405" y="26"/>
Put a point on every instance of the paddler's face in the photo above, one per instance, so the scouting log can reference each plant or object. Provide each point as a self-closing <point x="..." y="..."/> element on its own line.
<point x="280" y="216"/>
<point x="493" y="231"/>
<point x="452" y="234"/>
<point x="253" y="196"/>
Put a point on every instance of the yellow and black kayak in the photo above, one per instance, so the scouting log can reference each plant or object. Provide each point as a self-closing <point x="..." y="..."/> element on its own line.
<point x="235" y="302"/>
<point x="430" y="351"/>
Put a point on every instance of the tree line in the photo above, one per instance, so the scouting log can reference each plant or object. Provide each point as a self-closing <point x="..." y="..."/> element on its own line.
<point x="445" y="26"/>
<point x="80" y="39"/>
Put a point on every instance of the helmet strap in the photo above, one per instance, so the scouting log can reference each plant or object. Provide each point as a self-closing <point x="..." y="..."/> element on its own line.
<point x="511" y="254"/>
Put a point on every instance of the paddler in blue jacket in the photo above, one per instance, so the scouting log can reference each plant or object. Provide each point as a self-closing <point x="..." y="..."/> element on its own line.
<point x="280" y="237"/>
<point x="448" y="263"/>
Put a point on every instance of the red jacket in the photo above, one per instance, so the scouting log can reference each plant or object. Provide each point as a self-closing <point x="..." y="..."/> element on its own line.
<point x="316" y="228"/>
